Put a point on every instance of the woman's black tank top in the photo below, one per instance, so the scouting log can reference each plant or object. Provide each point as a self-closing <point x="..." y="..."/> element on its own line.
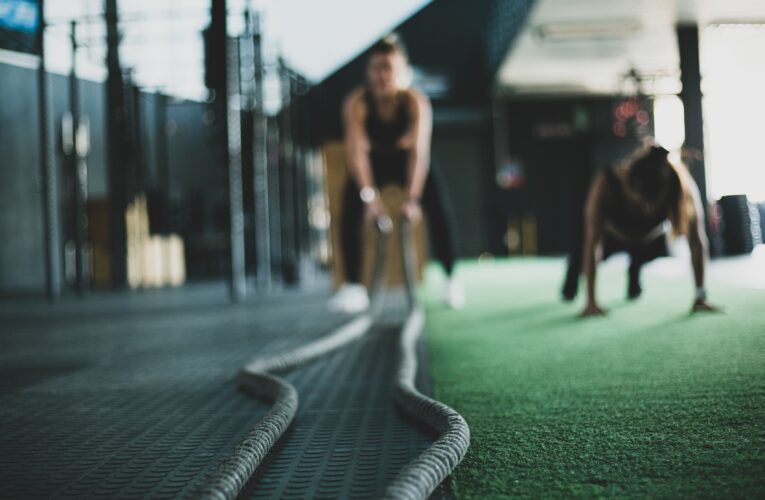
<point x="627" y="218"/>
<point x="388" y="161"/>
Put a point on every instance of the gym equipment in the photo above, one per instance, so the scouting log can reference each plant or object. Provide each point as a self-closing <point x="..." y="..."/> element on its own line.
<point x="258" y="378"/>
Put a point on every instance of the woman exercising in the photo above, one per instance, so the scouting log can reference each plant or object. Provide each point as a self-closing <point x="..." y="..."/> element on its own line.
<point x="626" y="210"/>
<point x="387" y="141"/>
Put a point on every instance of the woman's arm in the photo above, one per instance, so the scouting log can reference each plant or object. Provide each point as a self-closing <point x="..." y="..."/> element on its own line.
<point x="593" y="232"/>
<point x="697" y="241"/>
<point x="418" y="141"/>
<point x="356" y="141"/>
<point x="357" y="154"/>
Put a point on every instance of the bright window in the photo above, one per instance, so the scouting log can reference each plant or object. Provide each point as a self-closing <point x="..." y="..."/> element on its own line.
<point x="733" y="67"/>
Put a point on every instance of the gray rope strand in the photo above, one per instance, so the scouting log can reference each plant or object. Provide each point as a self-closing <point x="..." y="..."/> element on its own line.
<point x="419" y="478"/>
<point x="308" y="352"/>
<point x="234" y="472"/>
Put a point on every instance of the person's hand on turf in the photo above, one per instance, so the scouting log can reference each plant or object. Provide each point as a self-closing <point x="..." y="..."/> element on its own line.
<point x="701" y="305"/>
<point x="412" y="211"/>
<point x="592" y="310"/>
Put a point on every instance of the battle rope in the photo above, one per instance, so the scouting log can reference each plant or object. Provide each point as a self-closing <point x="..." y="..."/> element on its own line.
<point x="257" y="379"/>
<point x="419" y="478"/>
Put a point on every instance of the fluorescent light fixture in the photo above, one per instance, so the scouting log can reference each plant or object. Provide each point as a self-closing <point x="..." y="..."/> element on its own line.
<point x="617" y="28"/>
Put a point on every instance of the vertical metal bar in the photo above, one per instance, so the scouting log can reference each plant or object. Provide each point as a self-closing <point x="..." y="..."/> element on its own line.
<point x="309" y="188"/>
<point x="115" y="116"/>
<point x="260" y="175"/>
<point x="247" y="102"/>
<point x="78" y="171"/>
<point x="163" y="164"/>
<point x="303" y="193"/>
<point x="315" y="198"/>
<point x="690" y="77"/>
<point x="300" y="208"/>
<point x="274" y="203"/>
<point x="83" y="247"/>
<point x="307" y="199"/>
<point x="234" y="139"/>
<point x="138" y="159"/>
<point x="287" y="161"/>
<point x="50" y="180"/>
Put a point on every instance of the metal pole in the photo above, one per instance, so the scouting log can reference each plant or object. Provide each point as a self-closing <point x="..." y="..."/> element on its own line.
<point x="115" y="116"/>
<point x="690" y="77"/>
<point x="234" y="140"/>
<point x="305" y="181"/>
<point x="300" y="207"/>
<point x="163" y="162"/>
<point x="274" y="203"/>
<point x="260" y="175"/>
<point x="137" y="139"/>
<point x="287" y="162"/>
<point x="79" y="171"/>
<point x="298" y="168"/>
<point x="50" y="180"/>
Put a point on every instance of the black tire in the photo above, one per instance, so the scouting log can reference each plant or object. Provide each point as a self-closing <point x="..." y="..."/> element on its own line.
<point x="738" y="236"/>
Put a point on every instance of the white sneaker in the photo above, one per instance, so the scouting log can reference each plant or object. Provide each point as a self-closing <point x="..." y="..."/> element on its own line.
<point x="351" y="298"/>
<point x="453" y="294"/>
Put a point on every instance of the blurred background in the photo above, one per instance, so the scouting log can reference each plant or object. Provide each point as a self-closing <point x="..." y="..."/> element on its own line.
<point x="153" y="143"/>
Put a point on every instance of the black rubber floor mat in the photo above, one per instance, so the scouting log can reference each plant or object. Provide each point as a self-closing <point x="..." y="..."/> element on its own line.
<point x="348" y="440"/>
<point x="110" y="402"/>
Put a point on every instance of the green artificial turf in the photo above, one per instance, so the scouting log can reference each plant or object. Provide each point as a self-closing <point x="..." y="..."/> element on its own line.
<point x="648" y="402"/>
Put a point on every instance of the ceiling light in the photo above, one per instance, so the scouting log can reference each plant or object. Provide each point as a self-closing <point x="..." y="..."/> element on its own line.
<point x="618" y="28"/>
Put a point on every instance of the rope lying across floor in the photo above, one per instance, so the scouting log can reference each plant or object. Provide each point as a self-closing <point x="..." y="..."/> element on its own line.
<point x="421" y="476"/>
<point x="256" y="380"/>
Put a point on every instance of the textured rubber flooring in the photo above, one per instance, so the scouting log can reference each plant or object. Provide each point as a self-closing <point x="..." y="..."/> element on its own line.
<point x="348" y="440"/>
<point x="134" y="396"/>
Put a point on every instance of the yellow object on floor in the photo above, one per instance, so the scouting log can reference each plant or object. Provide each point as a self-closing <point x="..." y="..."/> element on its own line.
<point x="393" y="198"/>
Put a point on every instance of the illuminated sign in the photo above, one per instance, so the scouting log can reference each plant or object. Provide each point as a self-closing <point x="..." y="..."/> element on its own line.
<point x="19" y="15"/>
